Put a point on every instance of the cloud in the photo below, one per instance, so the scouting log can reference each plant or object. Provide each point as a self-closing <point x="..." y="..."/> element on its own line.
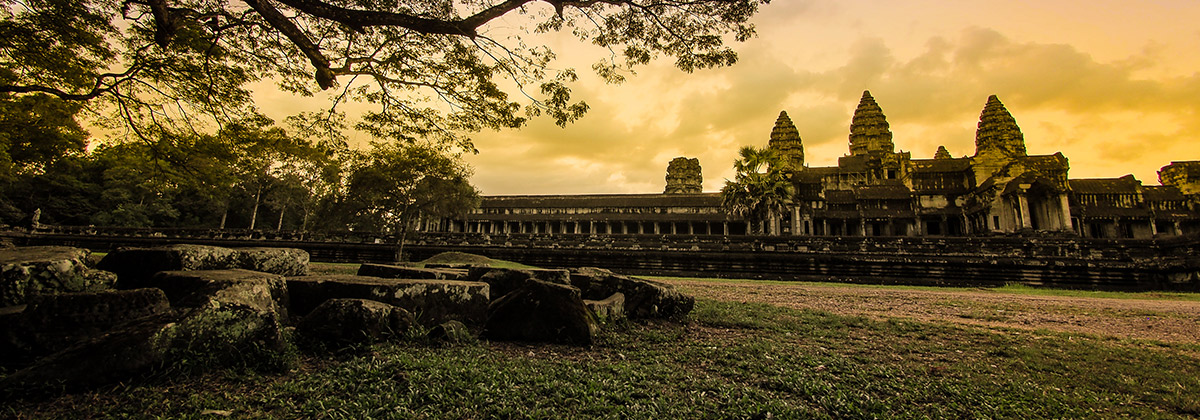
<point x="1109" y="118"/>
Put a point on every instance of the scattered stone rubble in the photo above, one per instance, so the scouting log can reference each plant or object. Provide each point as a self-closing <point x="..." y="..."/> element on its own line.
<point x="65" y="325"/>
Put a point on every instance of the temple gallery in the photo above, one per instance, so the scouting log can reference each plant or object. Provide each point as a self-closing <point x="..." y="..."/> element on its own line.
<point x="876" y="191"/>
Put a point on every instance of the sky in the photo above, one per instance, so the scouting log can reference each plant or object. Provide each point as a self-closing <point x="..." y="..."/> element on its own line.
<point x="1113" y="85"/>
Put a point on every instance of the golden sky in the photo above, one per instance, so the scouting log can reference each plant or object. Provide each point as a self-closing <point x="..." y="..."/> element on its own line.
<point x="1113" y="85"/>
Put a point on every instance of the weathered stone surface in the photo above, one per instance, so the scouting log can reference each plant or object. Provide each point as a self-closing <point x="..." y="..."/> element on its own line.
<point x="505" y="280"/>
<point x="55" y="322"/>
<point x="281" y="261"/>
<point x="28" y="271"/>
<point x="401" y="272"/>
<point x="80" y="314"/>
<point x="998" y="131"/>
<point x="432" y="301"/>
<point x="136" y="266"/>
<point x="110" y="357"/>
<point x="643" y="298"/>
<point x="608" y="310"/>
<point x="232" y="317"/>
<point x="869" y="129"/>
<point x="541" y="311"/>
<point x="450" y="332"/>
<point x="197" y="288"/>
<point x="942" y="153"/>
<point x="684" y="176"/>
<point x="785" y="139"/>
<point x="225" y="317"/>
<point x="342" y="322"/>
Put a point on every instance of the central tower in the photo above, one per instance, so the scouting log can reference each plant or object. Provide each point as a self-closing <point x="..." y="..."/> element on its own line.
<point x="869" y="131"/>
<point x="785" y="139"/>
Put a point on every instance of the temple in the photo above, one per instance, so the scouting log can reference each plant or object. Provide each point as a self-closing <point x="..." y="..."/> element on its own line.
<point x="878" y="191"/>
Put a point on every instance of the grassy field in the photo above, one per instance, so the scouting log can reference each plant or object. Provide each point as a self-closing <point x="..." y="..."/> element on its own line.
<point x="725" y="360"/>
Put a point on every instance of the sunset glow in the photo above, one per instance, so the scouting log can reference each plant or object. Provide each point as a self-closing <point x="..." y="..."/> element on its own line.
<point x="1110" y="84"/>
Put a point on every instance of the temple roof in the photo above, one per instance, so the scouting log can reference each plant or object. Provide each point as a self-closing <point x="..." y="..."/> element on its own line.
<point x="1162" y="193"/>
<point x="1046" y="164"/>
<point x="1123" y="185"/>
<point x="940" y="165"/>
<point x="998" y="130"/>
<point x="784" y="130"/>
<point x="602" y="200"/>
<point x="869" y="130"/>
<point x="942" y="153"/>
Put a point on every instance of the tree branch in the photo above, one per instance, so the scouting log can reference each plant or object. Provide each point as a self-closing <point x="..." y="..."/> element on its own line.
<point x="280" y="22"/>
<point x="359" y="19"/>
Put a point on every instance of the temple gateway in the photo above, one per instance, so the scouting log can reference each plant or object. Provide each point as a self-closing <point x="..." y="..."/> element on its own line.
<point x="877" y="191"/>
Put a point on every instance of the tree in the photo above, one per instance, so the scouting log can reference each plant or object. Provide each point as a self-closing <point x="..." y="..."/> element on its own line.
<point x="394" y="185"/>
<point x="432" y="68"/>
<point x="760" y="189"/>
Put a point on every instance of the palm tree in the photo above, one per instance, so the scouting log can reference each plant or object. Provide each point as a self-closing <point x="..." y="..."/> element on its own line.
<point x="760" y="189"/>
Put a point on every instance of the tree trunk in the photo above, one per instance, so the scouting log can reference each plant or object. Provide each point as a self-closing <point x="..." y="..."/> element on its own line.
<point x="403" y="233"/>
<point x="254" y="213"/>
<point x="279" y="226"/>
<point x="224" y="216"/>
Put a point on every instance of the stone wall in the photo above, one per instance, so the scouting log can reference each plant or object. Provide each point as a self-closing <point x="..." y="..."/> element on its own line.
<point x="1172" y="263"/>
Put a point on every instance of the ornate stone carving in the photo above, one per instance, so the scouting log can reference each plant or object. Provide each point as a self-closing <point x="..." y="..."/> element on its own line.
<point x="1183" y="175"/>
<point x="683" y="176"/>
<point x="785" y="139"/>
<point x="998" y="131"/>
<point x="869" y="130"/>
<point x="942" y="153"/>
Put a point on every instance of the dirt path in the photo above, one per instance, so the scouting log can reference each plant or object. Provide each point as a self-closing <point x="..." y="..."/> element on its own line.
<point x="1172" y="321"/>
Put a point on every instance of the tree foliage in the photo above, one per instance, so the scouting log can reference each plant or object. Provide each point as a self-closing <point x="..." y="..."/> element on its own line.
<point x="391" y="185"/>
<point x="432" y="69"/>
<point x="761" y="187"/>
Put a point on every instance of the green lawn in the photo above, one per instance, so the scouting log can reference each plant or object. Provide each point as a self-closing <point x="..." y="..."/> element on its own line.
<point x="1012" y="288"/>
<point x="727" y="360"/>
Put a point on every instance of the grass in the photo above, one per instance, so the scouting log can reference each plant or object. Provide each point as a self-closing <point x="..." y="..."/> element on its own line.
<point x="1011" y="288"/>
<point x="726" y="360"/>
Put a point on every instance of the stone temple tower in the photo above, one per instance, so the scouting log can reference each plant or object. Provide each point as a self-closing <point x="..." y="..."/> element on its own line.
<point x="869" y="131"/>
<point x="998" y="132"/>
<point x="683" y="176"/>
<point x="785" y="139"/>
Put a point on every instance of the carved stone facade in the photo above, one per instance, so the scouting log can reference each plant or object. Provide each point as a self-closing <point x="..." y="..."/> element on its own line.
<point x="877" y="191"/>
<point x="785" y="139"/>
<point x="683" y="176"/>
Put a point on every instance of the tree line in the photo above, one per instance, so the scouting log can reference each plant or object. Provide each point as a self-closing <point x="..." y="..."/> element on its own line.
<point x="249" y="174"/>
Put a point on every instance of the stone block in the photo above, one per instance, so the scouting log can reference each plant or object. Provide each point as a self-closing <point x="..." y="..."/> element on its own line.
<point x="339" y="323"/>
<point x="281" y="261"/>
<point x="402" y="272"/>
<point x="222" y="318"/>
<point x="541" y="311"/>
<point x="505" y="280"/>
<point x="27" y="271"/>
<point x="431" y="301"/>
<point x="643" y="298"/>
<point x="136" y="266"/>
<point x="607" y="310"/>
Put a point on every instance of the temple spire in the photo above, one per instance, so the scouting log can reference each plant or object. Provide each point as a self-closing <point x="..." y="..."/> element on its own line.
<point x="785" y="139"/>
<point x="998" y="131"/>
<point x="869" y="130"/>
<point x="942" y="153"/>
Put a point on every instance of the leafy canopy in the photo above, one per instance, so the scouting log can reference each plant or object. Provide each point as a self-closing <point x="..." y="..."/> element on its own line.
<point x="432" y="69"/>
<point x="760" y="187"/>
